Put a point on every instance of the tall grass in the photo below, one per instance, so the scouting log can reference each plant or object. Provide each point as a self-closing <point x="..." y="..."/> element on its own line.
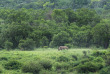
<point x="48" y="54"/>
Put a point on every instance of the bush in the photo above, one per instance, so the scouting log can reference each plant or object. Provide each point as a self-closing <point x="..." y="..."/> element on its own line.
<point x="45" y="46"/>
<point x="47" y="72"/>
<point x="89" y="67"/>
<point x="0" y="70"/>
<point x="76" y="63"/>
<point x="75" y="57"/>
<point x="98" y="53"/>
<point x="62" y="59"/>
<point x="105" y="70"/>
<point x="62" y="66"/>
<point x="32" y="67"/>
<point x="69" y="45"/>
<point x="8" y="45"/>
<point x="3" y="58"/>
<point x="46" y="64"/>
<point x="60" y="39"/>
<point x="98" y="59"/>
<point x="108" y="61"/>
<point x="85" y="53"/>
<point x="27" y="44"/>
<point x="84" y="61"/>
<point x="12" y="65"/>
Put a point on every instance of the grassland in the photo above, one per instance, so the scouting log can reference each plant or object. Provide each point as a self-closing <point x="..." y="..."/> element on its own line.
<point x="43" y="54"/>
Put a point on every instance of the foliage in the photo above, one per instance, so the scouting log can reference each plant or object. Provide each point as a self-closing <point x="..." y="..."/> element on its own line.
<point x="46" y="64"/>
<point x="1" y="70"/>
<point x="52" y="23"/>
<point x="75" y="57"/>
<point x="98" y="53"/>
<point x="3" y="58"/>
<point x="47" y="72"/>
<point x="98" y="30"/>
<point x="44" y="41"/>
<point x="89" y="67"/>
<point x="12" y="65"/>
<point x="89" y="17"/>
<point x="60" y="39"/>
<point x="62" y="59"/>
<point x="62" y="66"/>
<point x="46" y="61"/>
<point x="8" y="45"/>
<point x="105" y="70"/>
<point x="98" y="59"/>
<point x="85" y="53"/>
<point x="108" y="61"/>
<point x="27" y="44"/>
<point x="32" y="67"/>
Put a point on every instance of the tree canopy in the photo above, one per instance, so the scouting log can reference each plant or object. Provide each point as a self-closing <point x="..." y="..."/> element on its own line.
<point x="52" y="23"/>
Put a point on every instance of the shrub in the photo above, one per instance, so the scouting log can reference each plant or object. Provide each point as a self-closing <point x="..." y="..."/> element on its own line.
<point x="89" y="67"/>
<point x="98" y="59"/>
<point x="8" y="45"/>
<point x="27" y="44"/>
<point x="98" y="53"/>
<point x="61" y="38"/>
<point x="84" y="61"/>
<point x="46" y="64"/>
<point x="47" y="72"/>
<point x="91" y="57"/>
<point x="12" y="65"/>
<point x="58" y="66"/>
<point x="3" y="58"/>
<point x="76" y="63"/>
<point x="0" y="70"/>
<point x="32" y="67"/>
<point x="69" y="45"/>
<point x="53" y="57"/>
<point x="75" y="57"/>
<point x="45" y="46"/>
<point x="108" y="53"/>
<point x="85" y="53"/>
<point x="62" y="59"/>
<point x="62" y="66"/>
<point x="105" y="70"/>
<point x="108" y="61"/>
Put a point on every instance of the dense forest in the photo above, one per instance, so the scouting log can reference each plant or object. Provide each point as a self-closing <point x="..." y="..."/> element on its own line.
<point x="26" y="24"/>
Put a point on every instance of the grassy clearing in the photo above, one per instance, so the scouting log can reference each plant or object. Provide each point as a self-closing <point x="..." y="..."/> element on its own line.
<point x="37" y="55"/>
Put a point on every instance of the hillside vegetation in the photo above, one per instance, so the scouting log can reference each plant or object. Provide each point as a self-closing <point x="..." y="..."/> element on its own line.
<point x="52" y="61"/>
<point x="31" y="30"/>
<point x="29" y="24"/>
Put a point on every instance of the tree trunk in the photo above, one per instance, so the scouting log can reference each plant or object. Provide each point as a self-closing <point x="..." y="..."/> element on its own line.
<point x="106" y="43"/>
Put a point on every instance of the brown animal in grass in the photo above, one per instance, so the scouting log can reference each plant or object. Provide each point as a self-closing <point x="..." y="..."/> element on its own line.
<point x="62" y="47"/>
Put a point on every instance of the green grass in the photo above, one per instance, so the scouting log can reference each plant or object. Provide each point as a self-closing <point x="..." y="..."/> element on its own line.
<point x="37" y="55"/>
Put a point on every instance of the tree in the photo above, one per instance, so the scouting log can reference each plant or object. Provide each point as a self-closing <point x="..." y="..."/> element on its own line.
<point x="101" y="34"/>
<point x="72" y="16"/>
<point x="18" y="16"/>
<point x="8" y="45"/>
<point x="82" y="38"/>
<point x="87" y="17"/>
<point x="59" y="16"/>
<point x="14" y="33"/>
<point x="44" y="41"/>
<point x="60" y="39"/>
<point x="79" y="3"/>
<point x="27" y="44"/>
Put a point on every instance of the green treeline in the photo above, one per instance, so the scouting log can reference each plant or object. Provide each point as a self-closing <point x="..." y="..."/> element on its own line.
<point x="52" y="23"/>
<point x="55" y="4"/>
